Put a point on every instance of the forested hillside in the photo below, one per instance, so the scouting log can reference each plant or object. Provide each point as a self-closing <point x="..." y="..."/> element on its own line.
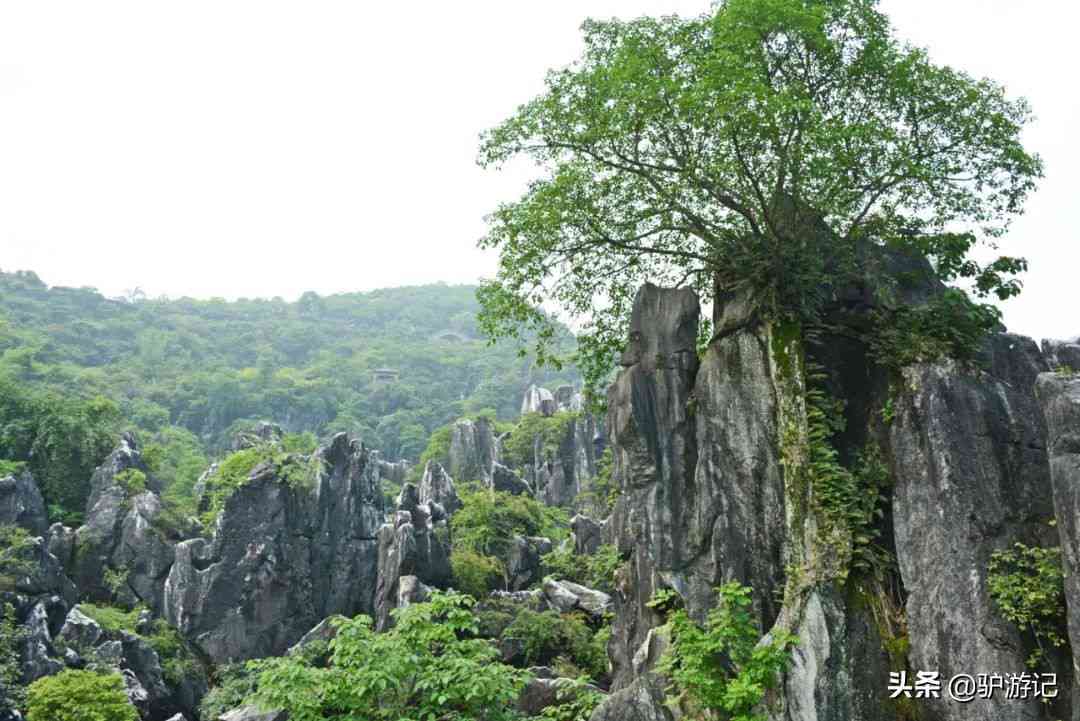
<point x="76" y="368"/>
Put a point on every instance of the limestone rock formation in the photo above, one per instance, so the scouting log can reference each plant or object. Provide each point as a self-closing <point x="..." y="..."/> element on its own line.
<point x="1059" y="396"/>
<point x="412" y="551"/>
<point x="969" y="456"/>
<point x="21" y="503"/>
<point x="437" y="486"/>
<point x="281" y="558"/>
<point x="473" y="450"/>
<point x="119" y="553"/>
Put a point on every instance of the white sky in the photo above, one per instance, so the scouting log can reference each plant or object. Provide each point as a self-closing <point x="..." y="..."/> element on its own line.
<point x="259" y="148"/>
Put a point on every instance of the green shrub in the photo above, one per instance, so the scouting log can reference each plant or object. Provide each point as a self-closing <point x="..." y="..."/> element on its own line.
<point x="519" y="448"/>
<point x="12" y="692"/>
<point x="488" y="520"/>
<point x="595" y="571"/>
<point x="11" y="468"/>
<point x="474" y="573"/>
<point x="112" y="618"/>
<point x="577" y="701"/>
<point x="233" y="684"/>
<point x="1027" y="584"/>
<point x="950" y="325"/>
<point x="79" y="696"/>
<point x="547" y="635"/>
<point x="13" y="544"/>
<point x="132" y="480"/>
<point x="724" y="666"/>
<point x="430" y="665"/>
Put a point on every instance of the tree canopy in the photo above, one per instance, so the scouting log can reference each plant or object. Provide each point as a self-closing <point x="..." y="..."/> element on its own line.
<point x="754" y="149"/>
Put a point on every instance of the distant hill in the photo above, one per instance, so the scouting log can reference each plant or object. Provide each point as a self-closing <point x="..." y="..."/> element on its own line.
<point x="390" y="365"/>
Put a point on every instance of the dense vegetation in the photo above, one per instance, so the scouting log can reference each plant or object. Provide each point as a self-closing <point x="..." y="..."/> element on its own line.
<point x="76" y="368"/>
<point x="80" y="696"/>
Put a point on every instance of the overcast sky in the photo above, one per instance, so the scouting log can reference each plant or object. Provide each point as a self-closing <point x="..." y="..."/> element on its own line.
<point x="259" y="148"/>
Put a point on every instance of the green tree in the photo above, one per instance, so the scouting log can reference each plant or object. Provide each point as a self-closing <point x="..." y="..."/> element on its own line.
<point x="79" y="696"/>
<point x="760" y="149"/>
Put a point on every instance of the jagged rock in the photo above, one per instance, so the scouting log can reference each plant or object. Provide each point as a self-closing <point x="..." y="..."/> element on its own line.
<point x="416" y="545"/>
<point x="538" y="400"/>
<point x="1062" y="354"/>
<point x="324" y="631"/>
<point x="80" y="631"/>
<point x="250" y="713"/>
<point x="566" y="596"/>
<point x="1059" y="397"/>
<point x="437" y="486"/>
<point x="970" y="464"/>
<point x="653" y="443"/>
<point x="281" y="559"/>
<point x="46" y="576"/>
<point x="177" y="717"/>
<point x="503" y="479"/>
<point x="472" y="450"/>
<point x="562" y="475"/>
<point x="38" y="656"/>
<point x="120" y="536"/>
<point x="523" y="561"/>
<point x="412" y="590"/>
<point x="263" y="432"/>
<point x="545" y="689"/>
<point x="587" y="535"/>
<point x="394" y="472"/>
<point x="21" y="504"/>
<point x="61" y="540"/>
<point x="642" y="700"/>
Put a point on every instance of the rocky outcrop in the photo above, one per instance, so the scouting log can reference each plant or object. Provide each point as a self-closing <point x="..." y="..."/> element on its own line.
<point x="586" y="534"/>
<point x="1062" y="354"/>
<point x="120" y="554"/>
<point x="971" y="474"/>
<point x="282" y="557"/>
<point x="522" y="561"/>
<point x="568" y="597"/>
<point x="506" y="481"/>
<point x="473" y="450"/>
<point x="413" y="551"/>
<point x="21" y="503"/>
<point x="538" y="400"/>
<point x="653" y="440"/>
<point x="561" y="473"/>
<point x="436" y="486"/>
<point x="642" y="700"/>
<point x="1059" y="397"/>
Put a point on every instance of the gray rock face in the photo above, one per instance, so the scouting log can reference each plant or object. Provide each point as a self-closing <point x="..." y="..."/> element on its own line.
<point x="837" y="668"/>
<point x="538" y="400"/>
<point x="562" y="475"/>
<point x="566" y="597"/>
<point x="21" y="504"/>
<point x="152" y="693"/>
<point x="472" y="450"/>
<point x="120" y="536"/>
<point x="437" y="486"/>
<point x="250" y="713"/>
<point x="281" y="559"/>
<point x="969" y="454"/>
<point x="263" y="432"/>
<point x="643" y="700"/>
<point x="655" y="452"/>
<point x="586" y="534"/>
<point x="1059" y="396"/>
<point x="505" y="480"/>
<point x="523" y="561"/>
<point x="46" y="574"/>
<point x="1062" y="354"/>
<point x="412" y="551"/>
